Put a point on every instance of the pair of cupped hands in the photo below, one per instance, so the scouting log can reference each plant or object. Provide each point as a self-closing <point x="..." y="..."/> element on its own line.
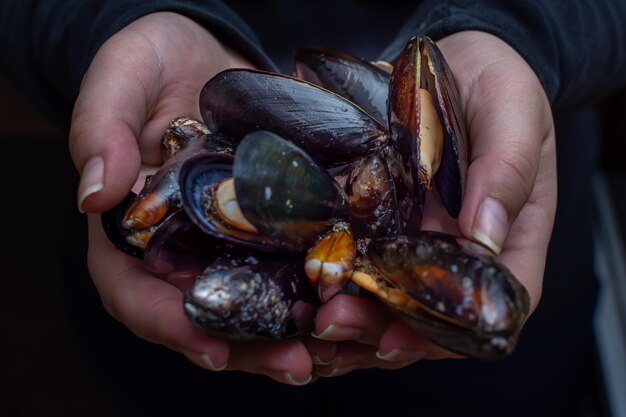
<point x="152" y="71"/>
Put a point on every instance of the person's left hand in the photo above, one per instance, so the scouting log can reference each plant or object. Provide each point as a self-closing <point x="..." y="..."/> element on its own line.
<point x="509" y="203"/>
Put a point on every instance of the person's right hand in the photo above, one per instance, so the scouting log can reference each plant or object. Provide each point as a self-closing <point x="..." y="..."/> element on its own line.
<point x="143" y="77"/>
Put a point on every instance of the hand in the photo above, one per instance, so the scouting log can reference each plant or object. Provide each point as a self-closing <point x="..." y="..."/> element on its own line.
<point x="141" y="78"/>
<point x="509" y="202"/>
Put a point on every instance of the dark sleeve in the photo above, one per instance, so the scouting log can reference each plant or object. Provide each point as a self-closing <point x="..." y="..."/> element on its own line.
<point x="48" y="44"/>
<point x="576" y="47"/>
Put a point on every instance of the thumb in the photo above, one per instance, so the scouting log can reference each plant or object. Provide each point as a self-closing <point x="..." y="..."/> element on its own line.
<point x="108" y="117"/>
<point x="508" y="126"/>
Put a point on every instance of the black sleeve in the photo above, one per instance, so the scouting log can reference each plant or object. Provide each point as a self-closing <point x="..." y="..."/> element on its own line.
<point x="577" y="48"/>
<point x="48" y="44"/>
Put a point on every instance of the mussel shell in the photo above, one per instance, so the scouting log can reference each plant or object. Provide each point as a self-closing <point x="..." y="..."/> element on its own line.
<point x="421" y="65"/>
<point x="179" y="250"/>
<point x="359" y="81"/>
<point x="450" y="179"/>
<point x="114" y="230"/>
<point x="179" y="134"/>
<point x="198" y="177"/>
<point x="468" y="303"/>
<point x="371" y="192"/>
<point x="253" y="297"/>
<point x="328" y="127"/>
<point x="283" y="192"/>
<point x="163" y="187"/>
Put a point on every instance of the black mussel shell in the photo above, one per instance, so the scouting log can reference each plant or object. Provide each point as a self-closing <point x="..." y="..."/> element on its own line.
<point x="328" y="127"/>
<point x="116" y="233"/>
<point x="199" y="176"/>
<point x="359" y="81"/>
<point x="179" y="250"/>
<point x="161" y="193"/>
<point x="251" y="297"/>
<point x="421" y="65"/>
<point x="283" y="192"/>
<point x="464" y="300"/>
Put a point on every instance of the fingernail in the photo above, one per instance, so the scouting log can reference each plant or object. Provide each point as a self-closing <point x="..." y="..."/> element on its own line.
<point x="338" y="371"/>
<point x="491" y="224"/>
<point x="336" y="332"/>
<point x="205" y="361"/>
<point x="91" y="180"/>
<point x="401" y="355"/>
<point x="319" y="361"/>
<point x="287" y="378"/>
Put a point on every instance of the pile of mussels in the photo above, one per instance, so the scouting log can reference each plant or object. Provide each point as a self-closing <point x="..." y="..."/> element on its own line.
<point x="294" y="186"/>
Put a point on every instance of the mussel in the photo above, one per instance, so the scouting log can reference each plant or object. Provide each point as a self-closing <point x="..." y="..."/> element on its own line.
<point x="313" y="187"/>
<point x="448" y="289"/>
<point x="328" y="127"/>
<point x="252" y="297"/>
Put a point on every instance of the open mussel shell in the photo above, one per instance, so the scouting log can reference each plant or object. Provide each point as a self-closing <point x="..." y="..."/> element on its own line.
<point x="160" y="196"/>
<point x="115" y="231"/>
<point x="360" y="81"/>
<point x="179" y="251"/>
<point x="199" y="177"/>
<point x="253" y="297"/>
<point x="328" y="127"/>
<point x="421" y="76"/>
<point x="459" y="298"/>
<point x="283" y="192"/>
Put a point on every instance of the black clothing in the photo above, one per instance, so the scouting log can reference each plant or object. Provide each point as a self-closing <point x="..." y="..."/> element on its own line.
<point x="578" y="50"/>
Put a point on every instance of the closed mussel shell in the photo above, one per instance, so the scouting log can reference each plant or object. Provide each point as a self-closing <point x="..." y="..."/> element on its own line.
<point x="465" y="301"/>
<point x="330" y="128"/>
<point x="359" y="81"/>
<point x="283" y="192"/>
<point x="253" y="296"/>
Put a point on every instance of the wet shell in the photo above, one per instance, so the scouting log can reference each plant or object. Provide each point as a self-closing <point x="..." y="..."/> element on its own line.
<point x="283" y="192"/>
<point x="359" y="81"/>
<point x="328" y="127"/>
<point x="421" y="68"/>
<point x="459" y="298"/>
<point x="251" y="297"/>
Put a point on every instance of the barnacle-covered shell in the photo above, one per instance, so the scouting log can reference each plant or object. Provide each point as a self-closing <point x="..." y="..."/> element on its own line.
<point x="328" y="127"/>
<point x="252" y="297"/>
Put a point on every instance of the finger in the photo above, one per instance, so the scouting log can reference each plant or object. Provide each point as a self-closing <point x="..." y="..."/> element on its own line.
<point x="284" y="361"/>
<point x="109" y="114"/>
<point x="148" y="306"/>
<point x="400" y="343"/>
<point x="352" y="356"/>
<point x="509" y="120"/>
<point x="322" y="352"/>
<point x="507" y="134"/>
<point x="347" y="317"/>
